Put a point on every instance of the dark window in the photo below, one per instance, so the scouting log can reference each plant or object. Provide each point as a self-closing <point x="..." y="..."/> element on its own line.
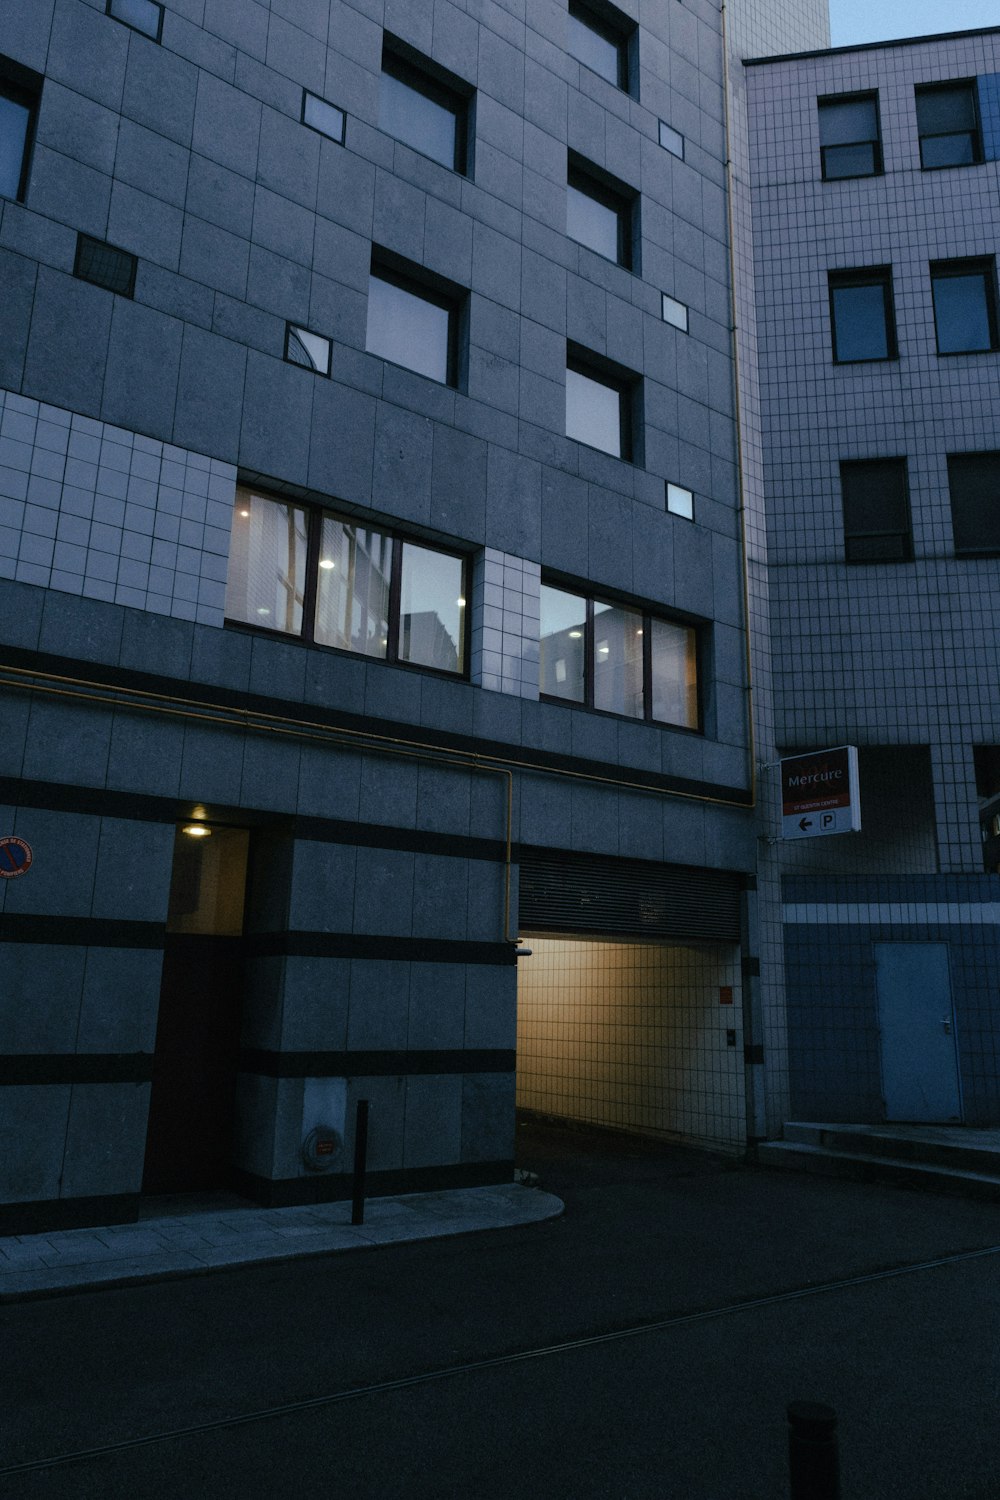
<point x="617" y="658"/>
<point x="19" y="91"/>
<point x="319" y="115"/>
<point x="105" y="266"/>
<point x="421" y="109"/>
<point x="861" y="315"/>
<point x="849" y="136"/>
<point x="335" y="582"/>
<point x="311" y="350"/>
<point x="974" y="482"/>
<point x="142" y="15"/>
<point x="599" y="215"/>
<point x="948" y="125"/>
<point x="599" y="38"/>
<point x="599" y="408"/>
<point x="965" y="309"/>
<point x="876" y="510"/>
<point x="413" y="324"/>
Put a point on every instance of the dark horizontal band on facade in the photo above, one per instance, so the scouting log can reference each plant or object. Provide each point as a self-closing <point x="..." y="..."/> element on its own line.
<point x="397" y="1064"/>
<point x="308" y="716"/>
<point x="80" y="932"/>
<point x="285" y="1192"/>
<point x="75" y="1067"/>
<point x="36" y="1217"/>
<point x="355" y="945"/>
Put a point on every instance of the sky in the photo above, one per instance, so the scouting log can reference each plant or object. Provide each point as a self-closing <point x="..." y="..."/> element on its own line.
<point x="859" y="21"/>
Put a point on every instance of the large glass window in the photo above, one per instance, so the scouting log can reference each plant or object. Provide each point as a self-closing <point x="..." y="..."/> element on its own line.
<point x="17" y="113"/>
<point x="411" y="325"/>
<point x="598" y="410"/>
<point x="876" y="510"/>
<point x="861" y="315"/>
<point x="617" y="658"/>
<point x="335" y="582"/>
<point x="948" y="125"/>
<point x="599" y="39"/>
<point x="598" y="217"/>
<point x="422" y="112"/>
<point x="965" y="314"/>
<point x="974" y="483"/>
<point x="849" y="136"/>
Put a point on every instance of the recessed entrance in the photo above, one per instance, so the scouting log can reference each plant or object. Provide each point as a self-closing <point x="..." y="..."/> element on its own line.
<point x="190" y="1132"/>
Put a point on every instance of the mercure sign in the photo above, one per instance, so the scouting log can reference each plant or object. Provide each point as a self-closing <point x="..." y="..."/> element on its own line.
<point x="819" y="794"/>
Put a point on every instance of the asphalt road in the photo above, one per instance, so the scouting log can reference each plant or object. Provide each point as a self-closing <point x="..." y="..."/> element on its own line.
<point x="692" y="1299"/>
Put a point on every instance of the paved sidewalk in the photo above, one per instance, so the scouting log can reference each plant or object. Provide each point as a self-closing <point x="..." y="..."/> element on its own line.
<point x="189" y="1243"/>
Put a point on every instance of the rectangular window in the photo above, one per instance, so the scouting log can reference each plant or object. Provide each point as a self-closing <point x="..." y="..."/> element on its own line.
<point x="599" y="408"/>
<point x="974" y="483"/>
<point x="965" y="306"/>
<point x="319" y="115"/>
<point x="19" y="91"/>
<point x="421" y="109"/>
<point x="876" y="510"/>
<point x="332" y="581"/>
<point x="598" y="36"/>
<point x="861" y="315"/>
<point x="671" y="140"/>
<point x="599" y="215"/>
<point x="311" y="350"/>
<point x="849" y="141"/>
<point x="680" y="501"/>
<point x="105" y="266"/>
<point x="412" y="325"/>
<point x="617" y="658"/>
<point x="674" y="312"/>
<point x="142" y="15"/>
<point x="948" y="125"/>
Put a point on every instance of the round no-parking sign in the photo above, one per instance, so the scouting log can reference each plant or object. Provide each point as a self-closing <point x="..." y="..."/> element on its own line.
<point x="15" y="857"/>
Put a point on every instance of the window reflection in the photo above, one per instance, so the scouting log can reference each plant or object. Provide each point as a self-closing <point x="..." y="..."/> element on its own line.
<point x="352" y="593"/>
<point x="594" y="412"/>
<point x="562" y="644"/>
<point x="674" y="654"/>
<point x="618" y="644"/>
<point x="963" y="313"/>
<point x="420" y="113"/>
<point x="431" y="609"/>
<point x="267" y="563"/>
<point x="591" y="220"/>
<point x="595" y="45"/>
<point x="409" y="328"/>
<point x="849" y="137"/>
<point x="948" y="126"/>
<point x="861" y="317"/>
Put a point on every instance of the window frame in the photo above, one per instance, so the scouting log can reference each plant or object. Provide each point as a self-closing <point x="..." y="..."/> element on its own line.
<point x="898" y="463"/>
<point x="948" y="270"/>
<point x="627" y="385"/>
<point x="24" y="88"/>
<point x="650" y="616"/>
<point x="843" y="280"/>
<point x="315" y="514"/>
<point x="613" y="27"/>
<point x="85" y="242"/>
<point x="139" y="30"/>
<point x="390" y="268"/>
<point x="950" y="85"/>
<point x="423" y="76"/>
<point x="620" y="200"/>
<point x="856" y="97"/>
<point x="954" y="460"/>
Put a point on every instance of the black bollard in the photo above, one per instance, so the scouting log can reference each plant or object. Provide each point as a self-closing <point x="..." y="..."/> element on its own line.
<point x="360" y="1162"/>
<point x="813" y="1460"/>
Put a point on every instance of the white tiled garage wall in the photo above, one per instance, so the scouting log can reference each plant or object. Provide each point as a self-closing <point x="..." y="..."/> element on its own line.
<point x="632" y="1036"/>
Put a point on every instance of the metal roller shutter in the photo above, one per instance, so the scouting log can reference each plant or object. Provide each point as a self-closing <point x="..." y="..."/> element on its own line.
<point x="622" y="897"/>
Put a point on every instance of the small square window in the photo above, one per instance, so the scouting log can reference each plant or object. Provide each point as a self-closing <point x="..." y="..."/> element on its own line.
<point x="680" y="502"/>
<point x="599" y="408"/>
<point x="974" y="483"/>
<point x="412" y="324"/>
<point x="423" y="110"/>
<point x="671" y="140"/>
<point x="311" y="350"/>
<point x="599" y="215"/>
<point x="850" y="145"/>
<point x="965" y="306"/>
<point x="142" y="15"/>
<point x="861" y="315"/>
<point x="19" y="92"/>
<point x="598" y="36"/>
<point x="876" y="504"/>
<point x="105" y="266"/>
<point x="675" y="312"/>
<point x="948" y="125"/>
<point x="319" y="115"/>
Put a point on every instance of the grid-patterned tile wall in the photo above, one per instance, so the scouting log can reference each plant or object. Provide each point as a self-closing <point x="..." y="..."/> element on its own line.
<point x="633" y="1036"/>
<point x="506" y="594"/>
<point x="97" y="510"/>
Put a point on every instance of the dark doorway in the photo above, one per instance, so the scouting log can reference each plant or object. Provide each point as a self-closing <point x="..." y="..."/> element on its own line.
<point x="190" y="1134"/>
